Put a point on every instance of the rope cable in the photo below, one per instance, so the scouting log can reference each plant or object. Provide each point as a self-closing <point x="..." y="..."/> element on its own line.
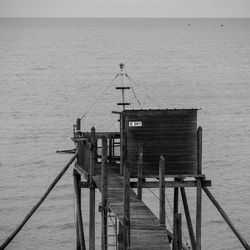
<point x="123" y="84"/>
<point x="136" y="98"/>
<point x="96" y="100"/>
<point x="166" y="211"/>
<point x="145" y="93"/>
<point x="184" y="236"/>
<point x="132" y="82"/>
<point x="169" y="203"/>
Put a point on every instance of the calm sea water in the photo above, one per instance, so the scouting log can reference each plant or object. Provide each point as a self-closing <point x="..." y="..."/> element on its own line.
<point x="51" y="70"/>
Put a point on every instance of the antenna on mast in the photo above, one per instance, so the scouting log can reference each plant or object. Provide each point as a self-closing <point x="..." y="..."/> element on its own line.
<point x="121" y="66"/>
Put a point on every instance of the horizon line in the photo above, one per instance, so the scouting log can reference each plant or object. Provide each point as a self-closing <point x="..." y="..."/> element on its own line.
<point x="131" y="17"/>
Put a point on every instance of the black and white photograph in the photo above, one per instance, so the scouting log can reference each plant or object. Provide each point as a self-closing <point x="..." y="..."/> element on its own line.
<point x="124" y="124"/>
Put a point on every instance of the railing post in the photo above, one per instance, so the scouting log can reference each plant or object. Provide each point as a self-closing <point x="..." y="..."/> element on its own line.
<point x="93" y="152"/>
<point x="104" y="189"/>
<point x="110" y="149"/>
<point x="140" y="166"/>
<point x="78" y="144"/>
<point x="199" y="189"/>
<point x="162" y="215"/>
<point x="78" y="125"/>
<point x="92" y="191"/>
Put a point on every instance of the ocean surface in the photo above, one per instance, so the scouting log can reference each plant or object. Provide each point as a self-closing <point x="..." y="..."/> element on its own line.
<point x="52" y="70"/>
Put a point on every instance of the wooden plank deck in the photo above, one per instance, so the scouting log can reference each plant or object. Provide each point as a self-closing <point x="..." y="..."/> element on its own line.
<point x="146" y="233"/>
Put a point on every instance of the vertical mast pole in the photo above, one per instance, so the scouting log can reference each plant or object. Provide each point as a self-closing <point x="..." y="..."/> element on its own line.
<point x="122" y="75"/>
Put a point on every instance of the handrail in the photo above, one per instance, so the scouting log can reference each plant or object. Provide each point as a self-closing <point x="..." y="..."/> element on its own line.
<point x="36" y="206"/>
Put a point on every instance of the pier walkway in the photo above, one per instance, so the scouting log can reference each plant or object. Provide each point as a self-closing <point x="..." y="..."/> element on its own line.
<point x="145" y="230"/>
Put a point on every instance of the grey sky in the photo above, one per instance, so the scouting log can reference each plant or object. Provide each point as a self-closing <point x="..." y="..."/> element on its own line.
<point x="124" y="8"/>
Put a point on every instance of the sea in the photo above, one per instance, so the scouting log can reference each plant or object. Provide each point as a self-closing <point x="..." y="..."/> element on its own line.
<point x="53" y="71"/>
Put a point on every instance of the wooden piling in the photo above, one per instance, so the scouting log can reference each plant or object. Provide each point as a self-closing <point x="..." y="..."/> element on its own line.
<point x="92" y="191"/>
<point x="37" y="205"/>
<point x="126" y="224"/>
<point x="226" y="218"/>
<point x="178" y="232"/>
<point x="199" y="189"/>
<point x="140" y="166"/>
<point x="176" y="199"/>
<point x="120" y="236"/>
<point x="162" y="215"/>
<point x="123" y="146"/>
<point x="175" y="211"/>
<point x="188" y="218"/>
<point x="104" y="189"/>
<point x="199" y="150"/>
<point x="93" y="152"/>
<point x="80" y="244"/>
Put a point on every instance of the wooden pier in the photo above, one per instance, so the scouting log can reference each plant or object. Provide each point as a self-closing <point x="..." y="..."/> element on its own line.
<point x="136" y="226"/>
<point x="115" y="163"/>
<point x="153" y="149"/>
<point x="143" y="228"/>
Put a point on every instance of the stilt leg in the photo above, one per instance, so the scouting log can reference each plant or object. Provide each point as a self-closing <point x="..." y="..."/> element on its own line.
<point x="80" y="232"/>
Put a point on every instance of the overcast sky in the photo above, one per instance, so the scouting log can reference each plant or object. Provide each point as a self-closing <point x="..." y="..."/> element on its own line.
<point x="124" y="8"/>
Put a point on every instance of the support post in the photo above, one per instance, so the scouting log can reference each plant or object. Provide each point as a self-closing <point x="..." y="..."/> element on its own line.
<point x="188" y="218"/>
<point x="226" y="218"/>
<point x="126" y="199"/>
<point x="178" y="231"/>
<point x="120" y="236"/>
<point x="113" y="146"/>
<point x="140" y="166"/>
<point x="104" y="189"/>
<point x="199" y="189"/>
<point x="176" y="198"/>
<point x="122" y="143"/>
<point x="199" y="150"/>
<point x="92" y="191"/>
<point x="93" y="152"/>
<point x="80" y="244"/>
<point x="37" y="205"/>
<point x="162" y="215"/>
